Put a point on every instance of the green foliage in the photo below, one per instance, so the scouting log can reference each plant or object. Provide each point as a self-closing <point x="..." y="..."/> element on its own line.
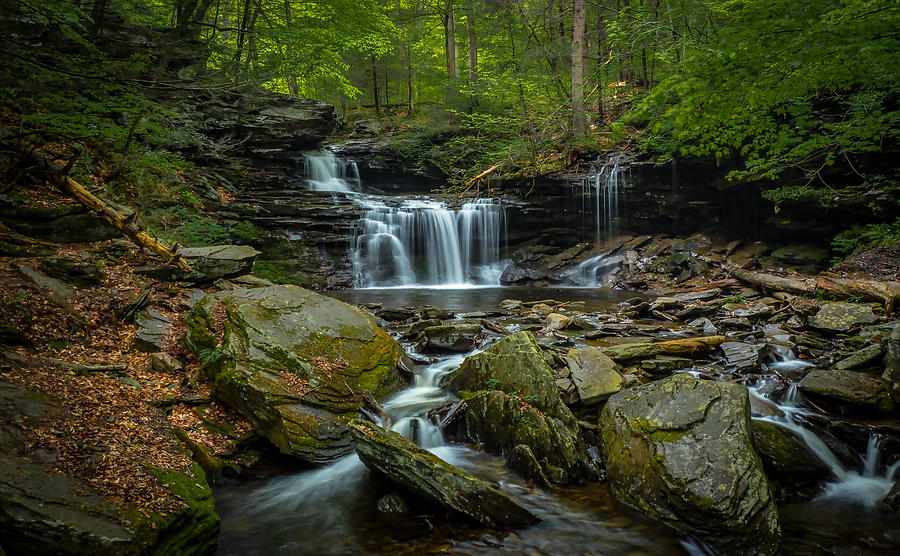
<point x="861" y="237"/>
<point x="798" y="89"/>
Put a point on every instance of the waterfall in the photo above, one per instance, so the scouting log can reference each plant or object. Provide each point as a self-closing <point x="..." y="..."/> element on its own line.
<point x="423" y="242"/>
<point x="326" y="172"/>
<point x="865" y="487"/>
<point x="599" y="192"/>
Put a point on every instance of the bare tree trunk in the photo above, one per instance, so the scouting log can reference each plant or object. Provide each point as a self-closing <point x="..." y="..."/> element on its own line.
<point x="450" y="39"/>
<point x="375" y="88"/>
<point x="471" y="53"/>
<point x="601" y="63"/>
<point x="291" y="75"/>
<point x="404" y="49"/>
<point x="579" y="122"/>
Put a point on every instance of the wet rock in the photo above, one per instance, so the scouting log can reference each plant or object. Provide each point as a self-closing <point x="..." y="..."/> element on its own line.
<point x="294" y="363"/>
<point x="746" y="256"/>
<point x="786" y="455"/>
<point x="740" y="355"/>
<point x="393" y="314"/>
<point x="522" y="461"/>
<point x="702" y="295"/>
<point x="510" y="304"/>
<point x="696" y="311"/>
<point x="690" y="346"/>
<point x="501" y="422"/>
<point x="163" y="362"/>
<point x="841" y="317"/>
<point x="798" y="254"/>
<point x="418" y="327"/>
<point x="594" y="374"/>
<point x="392" y="503"/>
<point x="436" y="313"/>
<point x="868" y="356"/>
<point x="663" y="364"/>
<point x="858" y="389"/>
<point x="524" y="272"/>
<point x="435" y="480"/>
<point x="704" y="326"/>
<point x="151" y="331"/>
<point x="680" y="450"/>
<point x="514" y="364"/>
<point x="542" y="309"/>
<point x="450" y="337"/>
<point x="627" y="353"/>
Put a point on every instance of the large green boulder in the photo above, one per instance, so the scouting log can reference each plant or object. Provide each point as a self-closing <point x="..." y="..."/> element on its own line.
<point x="514" y="364"/>
<point x="295" y="363"/>
<point x="680" y="450"/>
<point x="501" y="423"/>
<point x="435" y="480"/>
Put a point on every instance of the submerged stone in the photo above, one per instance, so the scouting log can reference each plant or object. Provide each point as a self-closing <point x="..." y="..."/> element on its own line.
<point x="435" y="480"/>
<point x="680" y="450"/>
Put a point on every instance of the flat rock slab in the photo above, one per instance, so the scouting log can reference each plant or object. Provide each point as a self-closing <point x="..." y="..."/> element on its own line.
<point x="870" y="355"/>
<point x="594" y="374"/>
<point x="450" y="337"/>
<point x="841" y="317"/>
<point x="151" y="329"/>
<point x="702" y="295"/>
<point x="430" y="477"/>
<point x="851" y="387"/>
<point x="626" y="353"/>
<point x="739" y="355"/>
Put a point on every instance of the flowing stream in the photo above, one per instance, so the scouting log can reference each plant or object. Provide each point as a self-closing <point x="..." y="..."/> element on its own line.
<point x="332" y="510"/>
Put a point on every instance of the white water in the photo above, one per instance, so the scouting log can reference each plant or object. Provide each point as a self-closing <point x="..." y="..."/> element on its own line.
<point x="326" y="172"/>
<point x="599" y="194"/>
<point x="422" y="242"/>
<point x="865" y="487"/>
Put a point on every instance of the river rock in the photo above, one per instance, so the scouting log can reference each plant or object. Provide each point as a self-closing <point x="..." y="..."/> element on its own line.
<point x="594" y="374"/>
<point x="841" y="317"/>
<point x="867" y="356"/>
<point x="514" y="364"/>
<point x="294" y="363"/>
<point x="665" y="364"/>
<point x="43" y="512"/>
<point x="501" y="422"/>
<point x="849" y="387"/>
<point x="680" y="450"/>
<point x="785" y="454"/>
<point x="702" y="295"/>
<point x="740" y="355"/>
<point x="450" y="337"/>
<point x="435" y="480"/>
<point x="627" y="353"/>
<point x="520" y="273"/>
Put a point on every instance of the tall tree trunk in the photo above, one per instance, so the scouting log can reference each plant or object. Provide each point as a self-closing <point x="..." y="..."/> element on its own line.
<point x="579" y="122"/>
<point x="189" y="14"/>
<point x="601" y="63"/>
<point x="291" y="75"/>
<point x="471" y="54"/>
<point x="375" y="88"/>
<point x="98" y="11"/>
<point x="450" y="39"/>
<point x="245" y="19"/>
<point x="404" y="49"/>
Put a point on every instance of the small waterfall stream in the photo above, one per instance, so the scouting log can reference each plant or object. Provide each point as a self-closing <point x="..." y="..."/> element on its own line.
<point x="866" y="486"/>
<point x="326" y="172"/>
<point x="422" y="242"/>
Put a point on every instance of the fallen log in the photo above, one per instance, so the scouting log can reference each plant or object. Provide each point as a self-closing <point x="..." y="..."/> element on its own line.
<point x="888" y="292"/>
<point x="690" y="346"/>
<point x="121" y="220"/>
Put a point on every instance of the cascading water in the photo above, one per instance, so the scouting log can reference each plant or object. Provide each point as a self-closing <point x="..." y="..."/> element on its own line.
<point x="422" y="242"/>
<point x="326" y="172"/>
<point x="599" y="193"/>
<point x="866" y="486"/>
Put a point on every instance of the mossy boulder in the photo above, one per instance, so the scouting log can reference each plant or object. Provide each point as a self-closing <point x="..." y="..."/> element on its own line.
<point x="841" y="317"/>
<point x="680" y="450"/>
<point x="514" y="364"/>
<point x="435" y="480"/>
<point x="295" y="363"/>
<point x="502" y="423"/>
<point x="860" y="390"/>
